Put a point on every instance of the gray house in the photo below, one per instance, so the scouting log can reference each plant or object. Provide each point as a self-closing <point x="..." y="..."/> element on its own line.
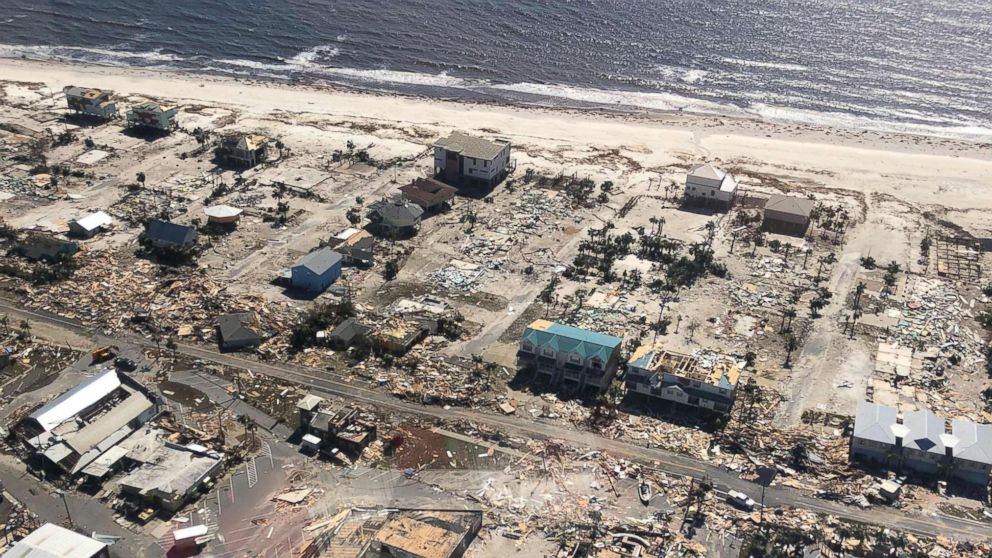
<point x="164" y="234"/>
<point x="923" y="448"/>
<point x="874" y="439"/>
<point x="395" y="219"/>
<point x="787" y="214"/>
<point x="973" y="451"/>
<point x="235" y="332"/>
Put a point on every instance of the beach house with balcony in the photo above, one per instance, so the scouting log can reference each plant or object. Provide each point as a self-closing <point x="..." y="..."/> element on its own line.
<point x="569" y="356"/>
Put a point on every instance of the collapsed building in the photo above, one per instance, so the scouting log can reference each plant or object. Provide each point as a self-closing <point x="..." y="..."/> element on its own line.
<point x="331" y="430"/>
<point x="165" y="475"/>
<point x="76" y="428"/>
<point x="396" y="534"/>
<point x="707" y="382"/>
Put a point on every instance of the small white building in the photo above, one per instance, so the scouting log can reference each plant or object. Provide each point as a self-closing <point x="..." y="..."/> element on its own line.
<point x="464" y="159"/>
<point x="52" y="541"/>
<point x="90" y="225"/>
<point x="709" y="186"/>
<point x="222" y="214"/>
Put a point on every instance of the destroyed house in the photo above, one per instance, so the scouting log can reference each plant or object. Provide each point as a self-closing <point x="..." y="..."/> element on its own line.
<point x="39" y="247"/>
<point x="874" y="438"/>
<point x="398" y="335"/>
<point x="371" y="533"/>
<point x="53" y="541"/>
<point x="429" y="534"/>
<point x="356" y="246"/>
<point x="235" y="331"/>
<point x="430" y="194"/>
<point x="74" y="429"/>
<point x="566" y="354"/>
<point x="707" y="381"/>
<point x="166" y="475"/>
<point x="163" y="234"/>
<point x="332" y="430"/>
<point x="152" y="116"/>
<point x="394" y="219"/>
<point x="707" y="185"/>
<point x="787" y="215"/>
<point x="90" y="225"/>
<point x="243" y="150"/>
<point x="461" y="159"/>
<point x="316" y="271"/>
<point x="90" y="102"/>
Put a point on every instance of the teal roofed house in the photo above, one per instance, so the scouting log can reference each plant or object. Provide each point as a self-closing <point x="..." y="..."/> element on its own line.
<point x="569" y="355"/>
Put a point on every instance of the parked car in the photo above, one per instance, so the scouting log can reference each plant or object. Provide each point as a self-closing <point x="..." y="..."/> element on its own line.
<point x="740" y="500"/>
<point x="125" y="364"/>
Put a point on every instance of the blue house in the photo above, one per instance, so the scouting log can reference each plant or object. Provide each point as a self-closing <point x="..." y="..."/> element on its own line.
<point x="316" y="271"/>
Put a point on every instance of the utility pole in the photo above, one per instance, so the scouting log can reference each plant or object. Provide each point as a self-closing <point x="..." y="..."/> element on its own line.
<point x="61" y="494"/>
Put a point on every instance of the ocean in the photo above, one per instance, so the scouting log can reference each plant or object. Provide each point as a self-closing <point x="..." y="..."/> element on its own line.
<point x="915" y="66"/>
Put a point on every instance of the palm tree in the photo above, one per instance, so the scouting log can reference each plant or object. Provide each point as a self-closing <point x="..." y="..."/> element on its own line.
<point x="25" y="330"/>
<point x="789" y="314"/>
<point x="250" y="427"/>
<point x="791" y="344"/>
<point x="141" y="179"/>
<point x="170" y="344"/>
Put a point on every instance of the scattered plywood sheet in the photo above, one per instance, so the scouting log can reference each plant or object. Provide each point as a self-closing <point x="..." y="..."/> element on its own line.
<point x="294" y="496"/>
<point x="892" y="359"/>
<point x="92" y="157"/>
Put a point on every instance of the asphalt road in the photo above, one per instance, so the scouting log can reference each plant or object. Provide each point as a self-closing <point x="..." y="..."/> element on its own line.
<point x="322" y="382"/>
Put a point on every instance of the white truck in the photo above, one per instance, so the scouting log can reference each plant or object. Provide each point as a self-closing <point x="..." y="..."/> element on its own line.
<point x="740" y="500"/>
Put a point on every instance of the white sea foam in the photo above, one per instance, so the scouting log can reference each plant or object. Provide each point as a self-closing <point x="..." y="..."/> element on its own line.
<point x="606" y="97"/>
<point x="307" y="57"/>
<point x="98" y="55"/>
<point x="773" y="65"/>
<point x="406" y="78"/>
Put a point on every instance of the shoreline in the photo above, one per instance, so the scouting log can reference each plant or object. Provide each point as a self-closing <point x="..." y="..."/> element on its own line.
<point x="701" y="124"/>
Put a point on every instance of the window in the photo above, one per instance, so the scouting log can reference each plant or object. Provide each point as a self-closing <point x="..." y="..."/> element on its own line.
<point x="574" y="358"/>
<point x="527" y="346"/>
<point x="485" y="163"/>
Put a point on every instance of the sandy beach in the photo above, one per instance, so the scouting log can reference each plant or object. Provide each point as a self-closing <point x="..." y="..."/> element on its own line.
<point x="928" y="173"/>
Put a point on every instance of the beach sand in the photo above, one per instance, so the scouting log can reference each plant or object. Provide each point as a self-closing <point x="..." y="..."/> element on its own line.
<point x="945" y="176"/>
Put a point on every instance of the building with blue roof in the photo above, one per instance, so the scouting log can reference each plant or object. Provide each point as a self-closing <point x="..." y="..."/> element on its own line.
<point x="571" y="355"/>
<point x="707" y="381"/>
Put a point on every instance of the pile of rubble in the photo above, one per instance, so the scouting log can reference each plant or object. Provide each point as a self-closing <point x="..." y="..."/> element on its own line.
<point x="117" y="295"/>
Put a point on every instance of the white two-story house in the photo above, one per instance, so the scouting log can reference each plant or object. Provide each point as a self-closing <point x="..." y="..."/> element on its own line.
<point x="461" y="159"/>
<point x="707" y="185"/>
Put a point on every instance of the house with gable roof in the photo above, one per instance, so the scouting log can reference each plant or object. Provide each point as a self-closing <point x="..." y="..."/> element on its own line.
<point x="567" y="354"/>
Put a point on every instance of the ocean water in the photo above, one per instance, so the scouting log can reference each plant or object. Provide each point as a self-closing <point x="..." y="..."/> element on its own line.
<point x="901" y="65"/>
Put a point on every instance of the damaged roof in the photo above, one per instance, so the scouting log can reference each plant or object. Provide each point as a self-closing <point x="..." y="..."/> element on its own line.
<point x="234" y="328"/>
<point x="428" y="192"/>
